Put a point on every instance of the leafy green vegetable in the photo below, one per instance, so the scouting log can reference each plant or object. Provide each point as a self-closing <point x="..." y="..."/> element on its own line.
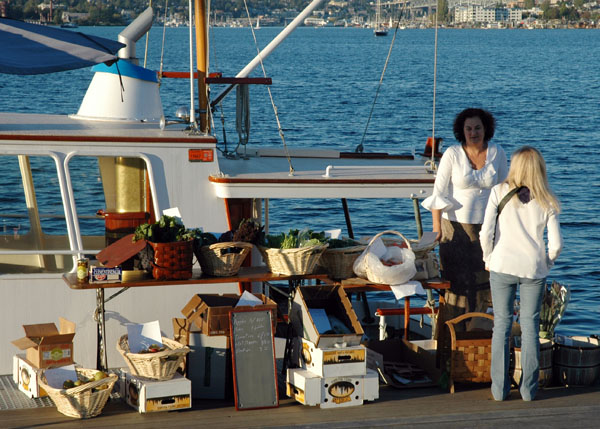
<point x="294" y="239"/>
<point x="166" y="230"/>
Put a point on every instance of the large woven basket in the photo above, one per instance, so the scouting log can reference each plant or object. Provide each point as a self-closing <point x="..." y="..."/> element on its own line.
<point x="222" y="259"/>
<point x="339" y="262"/>
<point x="172" y="260"/>
<point x="292" y="262"/>
<point x="471" y="352"/>
<point x="84" y="401"/>
<point x="157" y="366"/>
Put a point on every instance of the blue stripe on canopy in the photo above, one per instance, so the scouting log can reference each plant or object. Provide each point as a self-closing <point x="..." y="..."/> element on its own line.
<point x="36" y="49"/>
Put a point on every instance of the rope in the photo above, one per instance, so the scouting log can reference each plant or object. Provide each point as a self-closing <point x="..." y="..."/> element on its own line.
<point x="162" y="48"/>
<point x="433" y="166"/>
<point x="279" y="128"/>
<point x="360" y="147"/>
<point x="147" y="38"/>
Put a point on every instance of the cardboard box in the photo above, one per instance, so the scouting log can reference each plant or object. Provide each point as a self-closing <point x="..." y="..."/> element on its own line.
<point x="25" y="376"/>
<point x="148" y="396"/>
<point x="402" y="366"/>
<point x="330" y="392"/>
<point x="334" y="362"/>
<point x="209" y="366"/>
<point x="45" y="345"/>
<point x="303" y="386"/>
<point x="371" y="385"/>
<point x="423" y="353"/>
<point x="334" y="301"/>
<point x="210" y="313"/>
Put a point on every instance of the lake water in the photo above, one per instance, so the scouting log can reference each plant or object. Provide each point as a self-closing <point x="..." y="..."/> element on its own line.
<point x="542" y="86"/>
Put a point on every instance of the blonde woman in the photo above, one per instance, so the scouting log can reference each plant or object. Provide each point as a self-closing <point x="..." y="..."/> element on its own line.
<point x="514" y="251"/>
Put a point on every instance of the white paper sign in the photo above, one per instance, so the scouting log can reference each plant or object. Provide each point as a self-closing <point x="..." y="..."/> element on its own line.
<point x="141" y="336"/>
<point x="333" y="233"/>
<point x="173" y="212"/>
<point x="248" y="299"/>
<point x="407" y="289"/>
<point x="57" y="376"/>
<point x="320" y="319"/>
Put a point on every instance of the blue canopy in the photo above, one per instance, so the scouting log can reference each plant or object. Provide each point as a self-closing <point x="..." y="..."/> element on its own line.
<point x="36" y="49"/>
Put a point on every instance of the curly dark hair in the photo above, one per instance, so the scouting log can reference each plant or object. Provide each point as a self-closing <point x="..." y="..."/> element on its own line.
<point x="489" y="123"/>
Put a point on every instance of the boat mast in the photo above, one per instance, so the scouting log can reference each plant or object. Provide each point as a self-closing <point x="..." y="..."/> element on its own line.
<point x="202" y="61"/>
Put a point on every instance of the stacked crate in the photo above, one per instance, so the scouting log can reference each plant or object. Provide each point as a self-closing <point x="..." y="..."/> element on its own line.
<point x="332" y="365"/>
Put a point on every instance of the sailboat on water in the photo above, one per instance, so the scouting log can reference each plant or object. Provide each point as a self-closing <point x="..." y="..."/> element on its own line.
<point x="380" y="29"/>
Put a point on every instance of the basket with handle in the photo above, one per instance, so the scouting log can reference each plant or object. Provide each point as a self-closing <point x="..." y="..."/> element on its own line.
<point x="470" y="352"/>
<point x="292" y="262"/>
<point x="160" y="365"/>
<point x="338" y="262"/>
<point x="223" y="259"/>
<point x="83" y="401"/>
<point x="369" y="266"/>
<point x="172" y="260"/>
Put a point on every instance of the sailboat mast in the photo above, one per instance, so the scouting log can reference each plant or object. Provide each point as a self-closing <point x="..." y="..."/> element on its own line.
<point x="201" y="24"/>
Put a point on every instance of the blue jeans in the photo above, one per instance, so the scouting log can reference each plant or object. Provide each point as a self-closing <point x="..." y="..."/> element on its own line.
<point x="504" y="288"/>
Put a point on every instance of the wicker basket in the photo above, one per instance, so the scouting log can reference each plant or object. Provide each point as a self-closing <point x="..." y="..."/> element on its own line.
<point x="158" y="365"/>
<point x="339" y="262"/>
<point x="216" y="261"/>
<point x="84" y="401"/>
<point x="292" y="262"/>
<point x="172" y="260"/>
<point x="471" y="352"/>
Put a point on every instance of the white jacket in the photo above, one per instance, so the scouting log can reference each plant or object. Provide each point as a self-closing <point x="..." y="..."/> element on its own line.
<point x="519" y="248"/>
<point x="462" y="192"/>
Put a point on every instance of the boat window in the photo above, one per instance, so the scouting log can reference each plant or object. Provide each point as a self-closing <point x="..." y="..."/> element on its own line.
<point x="110" y="198"/>
<point x="32" y="216"/>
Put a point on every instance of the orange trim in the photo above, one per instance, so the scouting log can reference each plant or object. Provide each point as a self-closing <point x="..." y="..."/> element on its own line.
<point x="233" y="180"/>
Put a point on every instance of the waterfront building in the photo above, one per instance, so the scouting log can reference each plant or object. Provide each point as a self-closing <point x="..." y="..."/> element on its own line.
<point x="478" y="14"/>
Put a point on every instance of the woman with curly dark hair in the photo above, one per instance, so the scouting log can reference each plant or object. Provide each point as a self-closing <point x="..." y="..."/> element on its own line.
<point x="466" y="174"/>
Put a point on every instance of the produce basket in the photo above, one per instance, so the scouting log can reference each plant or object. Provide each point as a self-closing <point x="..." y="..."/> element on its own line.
<point x="158" y="365"/>
<point x="339" y="262"/>
<point x="223" y="259"/>
<point x="292" y="262"/>
<point x="172" y="260"/>
<point x="84" y="401"/>
<point x="471" y="352"/>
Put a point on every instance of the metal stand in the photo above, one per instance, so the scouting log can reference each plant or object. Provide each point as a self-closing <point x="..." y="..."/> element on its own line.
<point x="101" y="361"/>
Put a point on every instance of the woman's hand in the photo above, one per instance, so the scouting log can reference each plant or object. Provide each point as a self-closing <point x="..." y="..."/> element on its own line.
<point x="436" y="218"/>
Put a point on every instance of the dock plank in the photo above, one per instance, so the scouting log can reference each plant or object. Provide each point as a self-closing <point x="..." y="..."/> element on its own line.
<point x="469" y="407"/>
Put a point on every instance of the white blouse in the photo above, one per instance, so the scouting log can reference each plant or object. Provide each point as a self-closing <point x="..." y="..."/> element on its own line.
<point x="460" y="191"/>
<point x="519" y="248"/>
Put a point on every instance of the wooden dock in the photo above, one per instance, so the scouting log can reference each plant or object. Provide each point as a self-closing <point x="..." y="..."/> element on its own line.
<point x="555" y="407"/>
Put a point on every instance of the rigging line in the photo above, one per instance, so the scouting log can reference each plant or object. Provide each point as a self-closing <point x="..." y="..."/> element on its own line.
<point x="434" y="86"/>
<point x="214" y="53"/>
<point x="285" y="149"/>
<point x="162" y="48"/>
<point x="147" y="37"/>
<point x="360" y="147"/>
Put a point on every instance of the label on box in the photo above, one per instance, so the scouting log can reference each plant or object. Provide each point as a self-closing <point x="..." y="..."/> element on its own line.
<point x="105" y="275"/>
<point x="57" y="355"/>
<point x="342" y="392"/>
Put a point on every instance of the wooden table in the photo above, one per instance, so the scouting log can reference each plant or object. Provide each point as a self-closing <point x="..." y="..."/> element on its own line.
<point x="245" y="275"/>
<point x="358" y="285"/>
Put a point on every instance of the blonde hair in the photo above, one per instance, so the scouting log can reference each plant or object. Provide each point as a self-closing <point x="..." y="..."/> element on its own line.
<point x="528" y="168"/>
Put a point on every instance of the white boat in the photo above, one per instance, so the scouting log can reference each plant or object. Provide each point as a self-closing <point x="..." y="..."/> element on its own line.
<point x="139" y="164"/>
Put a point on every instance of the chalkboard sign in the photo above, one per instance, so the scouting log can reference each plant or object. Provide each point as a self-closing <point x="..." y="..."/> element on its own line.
<point x="253" y="359"/>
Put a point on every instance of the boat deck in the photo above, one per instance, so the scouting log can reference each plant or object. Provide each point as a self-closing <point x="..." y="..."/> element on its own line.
<point x="427" y="406"/>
